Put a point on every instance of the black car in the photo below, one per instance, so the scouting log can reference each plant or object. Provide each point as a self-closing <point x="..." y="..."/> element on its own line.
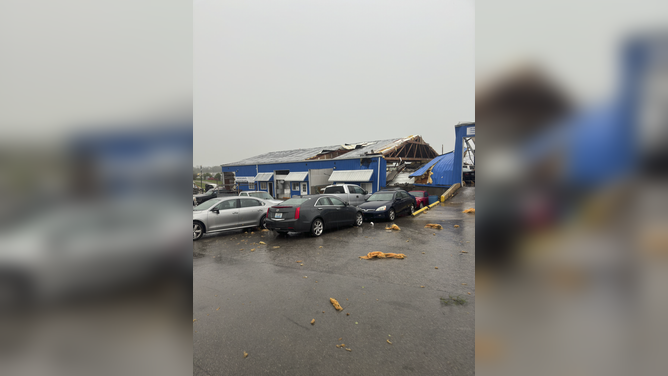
<point x="211" y="193"/>
<point x="312" y="214"/>
<point x="387" y="204"/>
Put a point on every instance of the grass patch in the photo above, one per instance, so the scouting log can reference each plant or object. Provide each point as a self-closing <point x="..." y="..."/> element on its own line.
<point x="456" y="300"/>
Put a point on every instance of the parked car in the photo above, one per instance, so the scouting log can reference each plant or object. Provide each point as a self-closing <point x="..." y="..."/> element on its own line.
<point x="350" y="193"/>
<point x="312" y="214"/>
<point x="468" y="173"/>
<point x="211" y="193"/>
<point x="228" y="213"/>
<point x="260" y="194"/>
<point x="421" y="198"/>
<point x="387" y="204"/>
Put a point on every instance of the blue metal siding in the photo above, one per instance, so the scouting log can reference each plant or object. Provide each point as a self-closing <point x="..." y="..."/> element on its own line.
<point x="339" y="164"/>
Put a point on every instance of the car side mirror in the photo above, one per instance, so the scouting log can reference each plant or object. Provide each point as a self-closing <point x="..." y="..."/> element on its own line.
<point x="215" y="211"/>
<point x="346" y="204"/>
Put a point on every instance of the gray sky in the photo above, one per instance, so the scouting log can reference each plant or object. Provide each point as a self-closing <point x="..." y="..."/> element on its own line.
<point x="280" y="75"/>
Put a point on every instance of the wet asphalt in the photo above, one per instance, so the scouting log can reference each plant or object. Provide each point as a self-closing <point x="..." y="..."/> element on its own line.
<point x="262" y="302"/>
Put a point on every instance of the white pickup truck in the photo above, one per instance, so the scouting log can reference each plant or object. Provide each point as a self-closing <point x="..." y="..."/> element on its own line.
<point x="350" y="193"/>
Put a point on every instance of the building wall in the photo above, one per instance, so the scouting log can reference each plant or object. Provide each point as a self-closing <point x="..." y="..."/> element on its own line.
<point x="305" y="166"/>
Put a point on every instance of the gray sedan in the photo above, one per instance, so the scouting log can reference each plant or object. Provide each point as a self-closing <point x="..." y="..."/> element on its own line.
<point x="228" y="213"/>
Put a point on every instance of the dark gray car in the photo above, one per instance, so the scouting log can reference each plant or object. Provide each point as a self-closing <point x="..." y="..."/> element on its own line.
<point x="388" y="204"/>
<point x="312" y="214"/>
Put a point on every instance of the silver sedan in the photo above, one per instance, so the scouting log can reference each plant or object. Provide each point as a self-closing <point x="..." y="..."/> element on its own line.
<point x="229" y="213"/>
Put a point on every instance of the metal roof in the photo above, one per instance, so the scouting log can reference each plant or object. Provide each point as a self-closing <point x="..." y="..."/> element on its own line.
<point x="299" y="155"/>
<point x="351" y="175"/>
<point x="442" y="169"/>
<point x="296" y="176"/>
<point x="264" y="176"/>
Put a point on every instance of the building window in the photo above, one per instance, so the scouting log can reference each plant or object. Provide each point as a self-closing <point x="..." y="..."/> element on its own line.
<point x="263" y="185"/>
<point x="251" y="185"/>
<point x="295" y="186"/>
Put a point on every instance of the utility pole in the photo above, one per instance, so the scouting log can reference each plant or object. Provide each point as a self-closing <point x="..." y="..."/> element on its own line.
<point x="200" y="178"/>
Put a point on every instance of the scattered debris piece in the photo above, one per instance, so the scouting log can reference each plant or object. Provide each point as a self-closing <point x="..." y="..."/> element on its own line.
<point x="469" y="210"/>
<point x="245" y="354"/>
<point x="463" y="284"/>
<point x="388" y="341"/>
<point x="312" y="321"/>
<point x="379" y="254"/>
<point x="393" y="227"/>
<point x="316" y="281"/>
<point x="347" y="313"/>
<point x="301" y="264"/>
<point x="337" y="346"/>
<point x="434" y="234"/>
<point x="423" y="253"/>
<point x="305" y="277"/>
<point x="323" y="311"/>
<point x="421" y="286"/>
<point x="469" y="293"/>
<point x="371" y="223"/>
<point x="217" y="308"/>
<point x="336" y="304"/>
<point x="434" y="226"/>
<point x="298" y="261"/>
<point x="263" y="230"/>
<point x="456" y="226"/>
<point x="465" y="251"/>
<point x="355" y="322"/>
<point x="320" y="247"/>
<point x="436" y="267"/>
<point x="194" y="320"/>
<point x="263" y="243"/>
<point x="253" y="250"/>
<point x="241" y="249"/>
<point x="343" y="345"/>
<point x="278" y="246"/>
<point x="207" y="314"/>
<point x="347" y="298"/>
<point x="347" y="349"/>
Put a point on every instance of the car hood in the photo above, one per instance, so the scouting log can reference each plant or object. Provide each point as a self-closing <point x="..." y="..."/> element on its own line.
<point x="374" y="204"/>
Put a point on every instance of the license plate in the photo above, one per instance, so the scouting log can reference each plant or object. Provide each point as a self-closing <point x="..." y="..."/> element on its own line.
<point x="278" y="215"/>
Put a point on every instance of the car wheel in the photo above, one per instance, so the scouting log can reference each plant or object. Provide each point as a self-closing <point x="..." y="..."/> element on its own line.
<point x="198" y="230"/>
<point x="391" y="215"/>
<point x="359" y="218"/>
<point x="412" y="209"/>
<point x="263" y="222"/>
<point x="421" y="205"/>
<point x="317" y="227"/>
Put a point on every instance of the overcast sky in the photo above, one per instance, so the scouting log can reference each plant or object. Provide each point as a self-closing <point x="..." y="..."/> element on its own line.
<point x="280" y="75"/>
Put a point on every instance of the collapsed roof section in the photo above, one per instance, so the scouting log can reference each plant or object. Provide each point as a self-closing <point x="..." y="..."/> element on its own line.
<point x="411" y="148"/>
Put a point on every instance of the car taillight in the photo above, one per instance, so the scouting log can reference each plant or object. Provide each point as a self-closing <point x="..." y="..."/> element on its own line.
<point x="297" y="213"/>
<point x="267" y="212"/>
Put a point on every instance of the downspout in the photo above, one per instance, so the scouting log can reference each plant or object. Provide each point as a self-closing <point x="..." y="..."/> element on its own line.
<point x="378" y="182"/>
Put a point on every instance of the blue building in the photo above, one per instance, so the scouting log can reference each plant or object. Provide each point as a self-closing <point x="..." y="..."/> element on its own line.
<point x="285" y="174"/>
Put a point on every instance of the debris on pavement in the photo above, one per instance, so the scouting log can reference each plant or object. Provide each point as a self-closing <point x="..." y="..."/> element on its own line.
<point x="347" y="313"/>
<point x="393" y="227"/>
<point x="217" y="309"/>
<point x="336" y="304"/>
<point x="388" y="341"/>
<point x="379" y="254"/>
<point x="263" y="243"/>
<point x="278" y="246"/>
<point x="421" y="286"/>
<point x="194" y="320"/>
<point x="338" y="346"/>
<point x="298" y="261"/>
<point x="263" y="230"/>
<point x="434" y="226"/>
<point x="465" y="251"/>
<point x="456" y="226"/>
<point x="245" y="354"/>
<point x="436" y="267"/>
<point x="347" y="349"/>
<point x="253" y="250"/>
<point x="312" y="321"/>
<point x="303" y="265"/>
<point x="469" y="210"/>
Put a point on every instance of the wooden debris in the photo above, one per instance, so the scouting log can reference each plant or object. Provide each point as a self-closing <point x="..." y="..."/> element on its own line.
<point x="434" y="226"/>
<point x="312" y="321"/>
<point x="245" y="354"/>
<point x="469" y="210"/>
<point x="388" y="341"/>
<point x="393" y="227"/>
<point x="456" y="226"/>
<point x="379" y="254"/>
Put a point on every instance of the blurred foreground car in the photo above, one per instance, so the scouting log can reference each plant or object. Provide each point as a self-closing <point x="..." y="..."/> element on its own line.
<point x="312" y="214"/>
<point x="421" y="198"/>
<point x="89" y="249"/>
<point x="228" y="213"/>
<point x="387" y="204"/>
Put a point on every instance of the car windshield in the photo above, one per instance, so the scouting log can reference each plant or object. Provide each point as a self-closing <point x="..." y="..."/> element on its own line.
<point x="263" y="195"/>
<point x="381" y="197"/>
<point x="416" y="194"/>
<point x="205" y="205"/>
<point x="294" y="201"/>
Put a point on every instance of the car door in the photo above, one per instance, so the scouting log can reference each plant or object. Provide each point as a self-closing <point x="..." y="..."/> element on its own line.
<point x="224" y="215"/>
<point x="399" y="202"/>
<point x="355" y="195"/>
<point x="343" y="214"/>
<point x="250" y="211"/>
<point x="326" y="211"/>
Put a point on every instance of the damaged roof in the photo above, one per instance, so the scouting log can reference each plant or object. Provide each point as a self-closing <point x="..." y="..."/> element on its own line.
<point x="357" y="150"/>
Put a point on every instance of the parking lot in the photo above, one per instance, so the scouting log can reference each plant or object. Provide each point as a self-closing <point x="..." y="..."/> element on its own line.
<point x="261" y="299"/>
